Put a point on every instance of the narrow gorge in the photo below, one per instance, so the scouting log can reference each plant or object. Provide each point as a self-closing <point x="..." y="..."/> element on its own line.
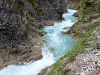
<point x="57" y="44"/>
<point x="49" y="37"/>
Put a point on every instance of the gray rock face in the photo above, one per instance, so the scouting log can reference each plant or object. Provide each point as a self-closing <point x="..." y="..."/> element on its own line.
<point x="13" y="16"/>
<point x="53" y="8"/>
<point x="11" y="32"/>
<point x="20" y="22"/>
<point x="46" y="9"/>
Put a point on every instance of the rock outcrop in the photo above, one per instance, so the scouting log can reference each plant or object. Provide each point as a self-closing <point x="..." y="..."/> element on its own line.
<point x="20" y="24"/>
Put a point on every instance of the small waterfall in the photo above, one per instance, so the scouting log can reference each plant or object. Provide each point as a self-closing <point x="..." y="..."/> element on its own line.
<point x="57" y="44"/>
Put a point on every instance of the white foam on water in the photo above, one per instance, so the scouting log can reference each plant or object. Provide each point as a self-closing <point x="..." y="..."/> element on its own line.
<point x="58" y="42"/>
<point x="32" y="68"/>
<point x="57" y="45"/>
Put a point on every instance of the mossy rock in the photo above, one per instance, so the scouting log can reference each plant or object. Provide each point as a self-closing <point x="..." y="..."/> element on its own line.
<point x="37" y="6"/>
<point x="10" y="50"/>
<point x="13" y="51"/>
<point x="18" y="6"/>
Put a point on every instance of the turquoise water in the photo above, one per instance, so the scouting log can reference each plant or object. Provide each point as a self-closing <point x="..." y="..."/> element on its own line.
<point x="57" y="42"/>
<point x="56" y="45"/>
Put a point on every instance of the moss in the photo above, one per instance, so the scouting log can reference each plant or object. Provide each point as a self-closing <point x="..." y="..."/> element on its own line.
<point x="1" y="50"/>
<point x="20" y="2"/>
<point x="74" y="0"/>
<point x="78" y="35"/>
<point x="18" y="6"/>
<point x="83" y="12"/>
<point x="86" y="4"/>
<point x="30" y="18"/>
<point x="13" y="51"/>
<point x="78" y="27"/>
<point x="81" y="20"/>
<point x="10" y="50"/>
<point x="97" y="3"/>
<point x="37" y="6"/>
<point x="89" y="6"/>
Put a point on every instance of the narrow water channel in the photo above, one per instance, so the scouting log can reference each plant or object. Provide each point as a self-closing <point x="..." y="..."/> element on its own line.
<point x="56" y="45"/>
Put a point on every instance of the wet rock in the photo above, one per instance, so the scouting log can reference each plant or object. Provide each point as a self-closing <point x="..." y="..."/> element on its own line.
<point x="76" y="14"/>
<point x="98" y="46"/>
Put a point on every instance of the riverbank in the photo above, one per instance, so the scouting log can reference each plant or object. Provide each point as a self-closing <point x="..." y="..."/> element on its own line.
<point x="88" y="19"/>
<point x="30" y="49"/>
<point x="87" y="63"/>
<point x="85" y="46"/>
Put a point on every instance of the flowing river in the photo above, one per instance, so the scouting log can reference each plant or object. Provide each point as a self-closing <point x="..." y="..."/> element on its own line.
<point x="56" y="45"/>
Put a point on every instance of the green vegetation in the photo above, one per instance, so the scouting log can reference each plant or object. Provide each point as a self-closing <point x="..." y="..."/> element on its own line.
<point x="37" y="6"/>
<point x="57" y="69"/>
<point x="74" y="0"/>
<point x="18" y="4"/>
<point x="97" y="3"/>
<point x="11" y="51"/>
<point x="80" y="28"/>
<point x="87" y="9"/>
<point x="81" y="20"/>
